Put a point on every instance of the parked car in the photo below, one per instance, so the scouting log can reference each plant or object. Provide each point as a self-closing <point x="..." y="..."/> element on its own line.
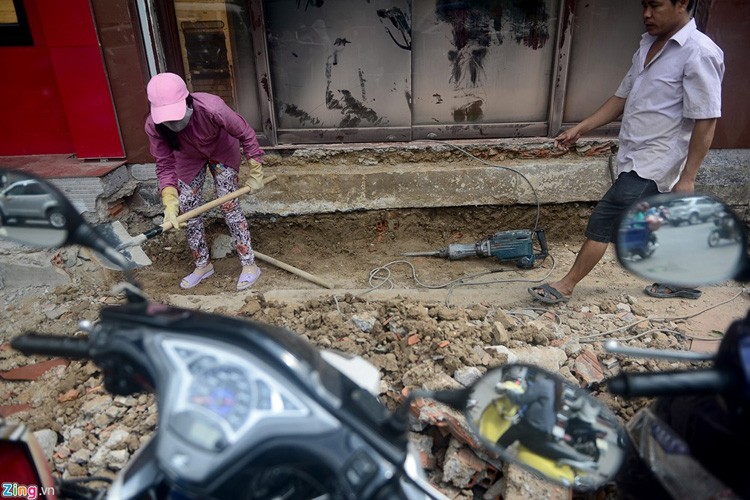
<point x="692" y="210"/>
<point x="28" y="199"/>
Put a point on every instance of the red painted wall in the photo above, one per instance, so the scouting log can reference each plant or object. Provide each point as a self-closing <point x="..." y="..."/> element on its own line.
<point x="32" y="119"/>
<point x="54" y="96"/>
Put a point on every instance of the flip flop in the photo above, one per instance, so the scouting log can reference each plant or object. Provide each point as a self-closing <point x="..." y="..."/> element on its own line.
<point x="193" y="279"/>
<point x="551" y="295"/>
<point x="247" y="280"/>
<point x="659" y="290"/>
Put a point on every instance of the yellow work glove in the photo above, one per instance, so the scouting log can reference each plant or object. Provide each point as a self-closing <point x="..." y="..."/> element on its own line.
<point x="171" y="203"/>
<point x="255" y="174"/>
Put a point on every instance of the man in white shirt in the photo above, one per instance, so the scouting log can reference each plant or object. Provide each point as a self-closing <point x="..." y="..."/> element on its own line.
<point x="670" y="101"/>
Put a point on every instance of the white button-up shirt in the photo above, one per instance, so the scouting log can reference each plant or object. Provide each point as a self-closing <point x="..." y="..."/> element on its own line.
<point x="682" y="83"/>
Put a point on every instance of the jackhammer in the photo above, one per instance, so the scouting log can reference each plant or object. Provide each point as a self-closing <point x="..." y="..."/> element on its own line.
<point x="516" y="245"/>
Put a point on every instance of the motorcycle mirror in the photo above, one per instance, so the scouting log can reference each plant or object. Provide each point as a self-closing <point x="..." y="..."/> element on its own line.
<point x="682" y="240"/>
<point x="35" y="213"/>
<point x="534" y="418"/>
<point x="32" y="212"/>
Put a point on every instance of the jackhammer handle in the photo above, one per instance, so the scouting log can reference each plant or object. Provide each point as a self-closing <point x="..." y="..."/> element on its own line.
<point x="542" y="243"/>
<point x="53" y="345"/>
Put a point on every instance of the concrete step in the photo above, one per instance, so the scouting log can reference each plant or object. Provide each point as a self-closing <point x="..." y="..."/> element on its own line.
<point x="340" y="178"/>
<point x="331" y="188"/>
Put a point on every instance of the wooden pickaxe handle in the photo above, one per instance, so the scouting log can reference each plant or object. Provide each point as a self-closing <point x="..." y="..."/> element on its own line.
<point x="293" y="270"/>
<point x="157" y="230"/>
<point x="215" y="203"/>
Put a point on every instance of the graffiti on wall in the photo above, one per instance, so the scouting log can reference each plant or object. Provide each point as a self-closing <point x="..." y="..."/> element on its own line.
<point x="477" y="24"/>
<point x="342" y="39"/>
<point x="352" y="104"/>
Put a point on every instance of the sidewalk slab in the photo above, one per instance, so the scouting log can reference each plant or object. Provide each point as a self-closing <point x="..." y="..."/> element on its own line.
<point x="59" y="166"/>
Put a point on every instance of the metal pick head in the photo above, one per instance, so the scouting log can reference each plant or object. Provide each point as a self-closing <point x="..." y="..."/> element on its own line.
<point x="115" y="234"/>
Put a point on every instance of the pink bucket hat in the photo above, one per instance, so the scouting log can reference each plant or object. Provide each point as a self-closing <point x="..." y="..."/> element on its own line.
<point x="167" y="93"/>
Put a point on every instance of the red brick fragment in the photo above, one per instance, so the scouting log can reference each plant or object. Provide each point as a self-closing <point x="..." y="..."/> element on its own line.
<point x="442" y="417"/>
<point x="115" y="209"/>
<point x="7" y="410"/>
<point x="33" y="372"/>
<point x="69" y="395"/>
<point x="588" y="368"/>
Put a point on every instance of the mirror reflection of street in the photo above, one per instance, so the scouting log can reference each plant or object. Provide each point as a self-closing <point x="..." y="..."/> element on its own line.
<point x="684" y="254"/>
<point x="30" y="213"/>
<point x="37" y="235"/>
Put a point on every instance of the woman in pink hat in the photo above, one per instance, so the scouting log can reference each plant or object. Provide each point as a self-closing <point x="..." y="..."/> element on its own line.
<point x="190" y="134"/>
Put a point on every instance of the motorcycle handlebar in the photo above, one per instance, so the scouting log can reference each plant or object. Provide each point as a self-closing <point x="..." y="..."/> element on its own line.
<point x="54" y="345"/>
<point x="671" y="383"/>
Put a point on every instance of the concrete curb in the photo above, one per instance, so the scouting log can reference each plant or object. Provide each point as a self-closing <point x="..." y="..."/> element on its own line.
<point x="342" y="178"/>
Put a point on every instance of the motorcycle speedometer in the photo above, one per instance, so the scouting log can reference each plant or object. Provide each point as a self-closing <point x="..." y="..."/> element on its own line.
<point x="224" y="391"/>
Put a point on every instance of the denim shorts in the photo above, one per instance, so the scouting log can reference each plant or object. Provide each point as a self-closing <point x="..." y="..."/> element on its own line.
<point x="628" y="188"/>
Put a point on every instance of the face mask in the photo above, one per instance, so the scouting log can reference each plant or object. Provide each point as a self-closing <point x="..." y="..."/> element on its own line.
<point x="178" y="125"/>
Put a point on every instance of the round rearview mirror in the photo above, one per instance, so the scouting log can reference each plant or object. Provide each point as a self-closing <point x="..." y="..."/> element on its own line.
<point x="35" y="213"/>
<point x="547" y="425"/>
<point x="32" y="211"/>
<point x="682" y="240"/>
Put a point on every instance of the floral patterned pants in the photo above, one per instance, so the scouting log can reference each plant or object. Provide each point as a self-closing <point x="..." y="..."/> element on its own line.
<point x="226" y="180"/>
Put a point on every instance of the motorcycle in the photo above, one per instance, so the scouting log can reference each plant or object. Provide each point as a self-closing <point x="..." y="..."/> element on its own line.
<point x="249" y="410"/>
<point x="725" y="229"/>
<point x="552" y="455"/>
<point x="686" y="436"/>
<point x="636" y="236"/>
<point x="638" y="240"/>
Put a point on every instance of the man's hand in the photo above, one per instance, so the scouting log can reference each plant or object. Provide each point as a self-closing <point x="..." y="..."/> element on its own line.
<point x="255" y="174"/>
<point x="171" y="203"/>
<point x="609" y="111"/>
<point x="684" y="186"/>
<point x="567" y="138"/>
<point x="700" y="142"/>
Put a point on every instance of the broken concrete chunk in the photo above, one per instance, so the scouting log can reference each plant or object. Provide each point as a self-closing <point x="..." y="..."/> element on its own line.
<point x="467" y="376"/>
<point x="500" y="334"/>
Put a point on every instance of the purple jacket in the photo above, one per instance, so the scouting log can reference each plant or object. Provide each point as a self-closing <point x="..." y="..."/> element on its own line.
<point x="214" y="133"/>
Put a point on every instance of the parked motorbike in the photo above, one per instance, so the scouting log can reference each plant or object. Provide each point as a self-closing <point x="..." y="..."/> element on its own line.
<point x="688" y="437"/>
<point x="567" y="461"/>
<point x="249" y="410"/>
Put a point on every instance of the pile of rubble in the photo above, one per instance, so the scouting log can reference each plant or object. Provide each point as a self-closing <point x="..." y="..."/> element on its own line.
<point x="414" y="344"/>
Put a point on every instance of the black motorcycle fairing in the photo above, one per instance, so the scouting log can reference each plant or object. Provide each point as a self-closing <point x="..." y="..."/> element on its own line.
<point x="710" y="422"/>
<point x="140" y="477"/>
<point x="733" y="356"/>
<point x="340" y="465"/>
<point x="275" y="343"/>
<point x="136" y="322"/>
<point x="714" y="424"/>
<point x="140" y="329"/>
<point x="711" y="433"/>
<point x="360" y="408"/>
